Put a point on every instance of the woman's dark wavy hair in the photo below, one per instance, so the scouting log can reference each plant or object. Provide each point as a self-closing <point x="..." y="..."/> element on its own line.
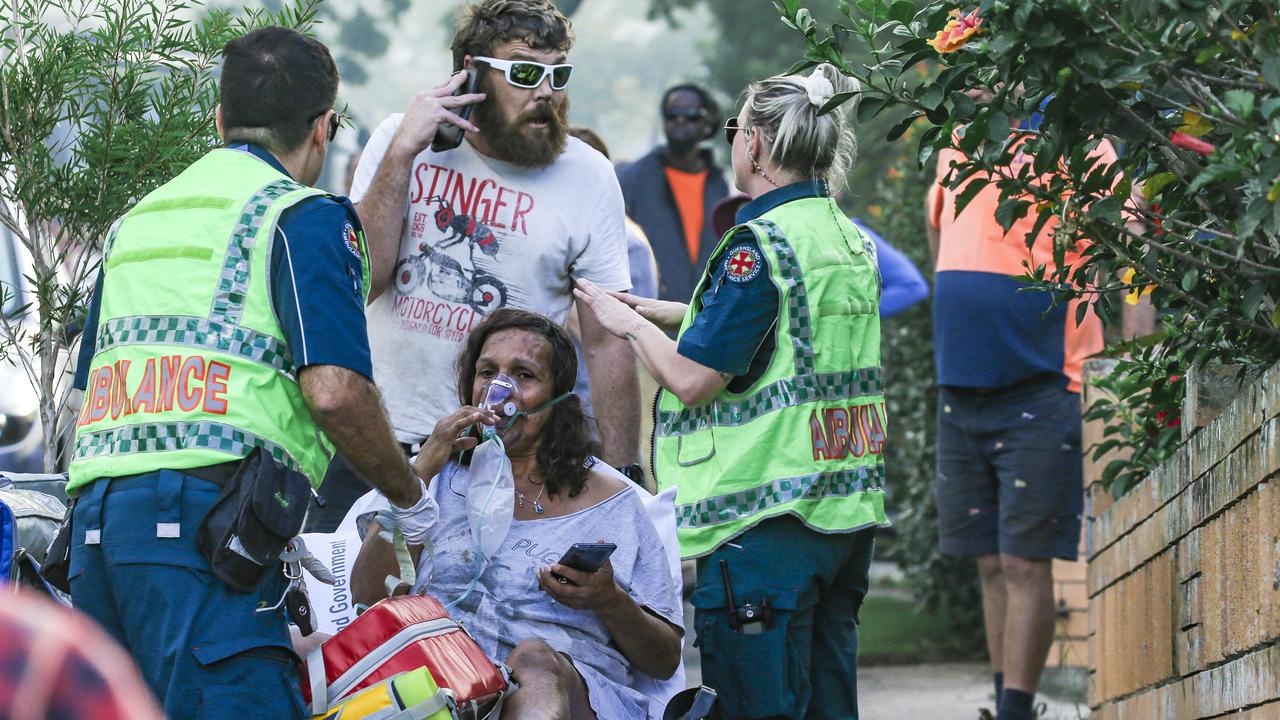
<point x="566" y="452"/>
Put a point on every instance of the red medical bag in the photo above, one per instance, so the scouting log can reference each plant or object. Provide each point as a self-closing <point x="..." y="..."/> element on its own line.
<point x="400" y="634"/>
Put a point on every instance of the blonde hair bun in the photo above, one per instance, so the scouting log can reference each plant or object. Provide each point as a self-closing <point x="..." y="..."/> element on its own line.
<point x="785" y="108"/>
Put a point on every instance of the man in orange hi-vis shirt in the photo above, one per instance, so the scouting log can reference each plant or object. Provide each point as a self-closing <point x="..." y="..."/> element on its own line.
<point x="1009" y="486"/>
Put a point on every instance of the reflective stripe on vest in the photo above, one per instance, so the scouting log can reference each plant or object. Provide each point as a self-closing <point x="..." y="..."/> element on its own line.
<point x="788" y="392"/>
<point x="746" y="503"/>
<point x="195" y="332"/>
<point x="807" y="439"/>
<point x="171" y="436"/>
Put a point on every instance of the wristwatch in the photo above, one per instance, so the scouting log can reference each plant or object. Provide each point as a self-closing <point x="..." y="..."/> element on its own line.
<point x="634" y="472"/>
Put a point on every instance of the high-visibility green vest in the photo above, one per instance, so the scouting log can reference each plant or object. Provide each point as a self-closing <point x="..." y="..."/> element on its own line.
<point x="190" y="366"/>
<point x="807" y="438"/>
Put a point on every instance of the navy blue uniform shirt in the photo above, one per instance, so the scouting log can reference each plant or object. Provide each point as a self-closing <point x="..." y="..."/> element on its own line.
<point x="733" y="332"/>
<point x="315" y="286"/>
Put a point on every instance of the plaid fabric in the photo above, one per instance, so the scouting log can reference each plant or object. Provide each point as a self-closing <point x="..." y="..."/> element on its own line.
<point x="233" y="285"/>
<point x="169" y="436"/>
<point x="789" y="392"/>
<point x="195" y="332"/>
<point x="60" y="664"/>
<point x="749" y="503"/>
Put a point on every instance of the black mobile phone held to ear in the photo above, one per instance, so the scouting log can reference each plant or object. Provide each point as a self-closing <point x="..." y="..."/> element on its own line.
<point x="449" y="136"/>
<point x="587" y="557"/>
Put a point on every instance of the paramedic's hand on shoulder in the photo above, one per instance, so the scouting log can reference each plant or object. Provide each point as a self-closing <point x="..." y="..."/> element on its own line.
<point x="595" y="591"/>
<point x="445" y="441"/>
<point x="666" y="314"/>
<point x="613" y="315"/>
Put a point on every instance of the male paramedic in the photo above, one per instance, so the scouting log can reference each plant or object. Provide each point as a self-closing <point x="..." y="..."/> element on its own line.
<point x="229" y="316"/>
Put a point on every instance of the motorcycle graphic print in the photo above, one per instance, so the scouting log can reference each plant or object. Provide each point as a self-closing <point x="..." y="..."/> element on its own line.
<point x="447" y="277"/>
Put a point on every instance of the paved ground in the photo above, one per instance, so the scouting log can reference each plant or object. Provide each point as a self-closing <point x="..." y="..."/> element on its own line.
<point x="937" y="692"/>
<point x="952" y="691"/>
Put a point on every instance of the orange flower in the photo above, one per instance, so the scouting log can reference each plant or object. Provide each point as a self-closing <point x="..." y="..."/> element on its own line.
<point x="957" y="31"/>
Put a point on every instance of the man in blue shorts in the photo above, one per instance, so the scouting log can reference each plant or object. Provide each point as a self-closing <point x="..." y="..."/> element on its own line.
<point x="1009" y="486"/>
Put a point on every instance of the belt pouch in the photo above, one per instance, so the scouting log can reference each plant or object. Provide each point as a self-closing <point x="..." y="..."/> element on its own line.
<point x="261" y="507"/>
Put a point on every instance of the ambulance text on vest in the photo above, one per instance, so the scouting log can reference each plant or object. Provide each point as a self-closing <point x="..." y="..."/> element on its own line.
<point x="187" y="382"/>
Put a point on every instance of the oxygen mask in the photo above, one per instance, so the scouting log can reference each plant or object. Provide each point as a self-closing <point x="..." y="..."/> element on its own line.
<point x="500" y="397"/>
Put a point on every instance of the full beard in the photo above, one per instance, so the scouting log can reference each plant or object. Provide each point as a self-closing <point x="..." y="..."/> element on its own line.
<point x="516" y="142"/>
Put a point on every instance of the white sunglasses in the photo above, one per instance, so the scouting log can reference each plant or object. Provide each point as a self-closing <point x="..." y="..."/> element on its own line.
<point x="529" y="74"/>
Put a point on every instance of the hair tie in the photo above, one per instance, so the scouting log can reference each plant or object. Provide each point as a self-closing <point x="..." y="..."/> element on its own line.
<point x="819" y="88"/>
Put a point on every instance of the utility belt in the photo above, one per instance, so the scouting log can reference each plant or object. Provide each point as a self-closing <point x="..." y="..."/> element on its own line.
<point x="260" y="509"/>
<point x="219" y="474"/>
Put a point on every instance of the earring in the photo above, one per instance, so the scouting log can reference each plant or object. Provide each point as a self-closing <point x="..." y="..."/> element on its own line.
<point x="756" y="168"/>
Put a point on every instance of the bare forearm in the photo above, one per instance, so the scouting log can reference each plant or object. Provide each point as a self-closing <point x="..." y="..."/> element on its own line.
<point x="348" y="408"/>
<point x="649" y="643"/>
<point x="615" y="392"/>
<point x="382" y="213"/>
<point x="692" y="382"/>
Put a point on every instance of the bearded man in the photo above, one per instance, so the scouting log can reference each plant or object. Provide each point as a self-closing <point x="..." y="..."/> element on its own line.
<point x="509" y="218"/>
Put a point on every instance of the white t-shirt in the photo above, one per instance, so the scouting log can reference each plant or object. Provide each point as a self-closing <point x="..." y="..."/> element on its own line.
<point x="481" y="234"/>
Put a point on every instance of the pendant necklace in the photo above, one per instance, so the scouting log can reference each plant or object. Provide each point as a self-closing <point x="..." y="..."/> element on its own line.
<point x="537" y="506"/>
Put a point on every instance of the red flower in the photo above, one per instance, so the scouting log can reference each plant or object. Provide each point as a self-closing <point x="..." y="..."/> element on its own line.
<point x="1157" y="220"/>
<point x="1186" y="142"/>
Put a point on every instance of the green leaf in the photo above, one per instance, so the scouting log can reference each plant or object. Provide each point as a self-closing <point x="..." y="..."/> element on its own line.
<point x="805" y="21"/>
<point x="962" y="107"/>
<point x="1240" y="102"/>
<point x="836" y="101"/>
<point x="900" y="127"/>
<point x="1107" y="210"/>
<point x="926" y="148"/>
<point x="1209" y="53"/>
<point x="1270" y="107"/>
<point x="790" y="7"/>
<point x="1010" y="210"/>
<point x="997" y="126"/>
<point x="1153" y="185"/>
<point x="1217" y="172"/>
<point x="1271" y="71"/>
<point x="869" y="108"/>
<point x="902" y="11"/>
<point x="968" y="193"/>
<point x="930" y="96"/>
<point x="1189" y="279"/>
<point x="1253" y="299"/>
<point x="1041" y="219"/>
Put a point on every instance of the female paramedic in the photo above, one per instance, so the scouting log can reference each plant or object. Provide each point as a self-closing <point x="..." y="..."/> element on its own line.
<point x="771" y="420"/>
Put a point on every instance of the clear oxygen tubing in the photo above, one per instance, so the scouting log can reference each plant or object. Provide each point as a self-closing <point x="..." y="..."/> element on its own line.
<point x="483" y="561"/>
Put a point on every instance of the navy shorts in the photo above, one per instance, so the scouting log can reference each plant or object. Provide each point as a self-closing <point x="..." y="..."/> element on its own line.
<point x="200" y="645"/>
<point x="1009" y="475"/>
